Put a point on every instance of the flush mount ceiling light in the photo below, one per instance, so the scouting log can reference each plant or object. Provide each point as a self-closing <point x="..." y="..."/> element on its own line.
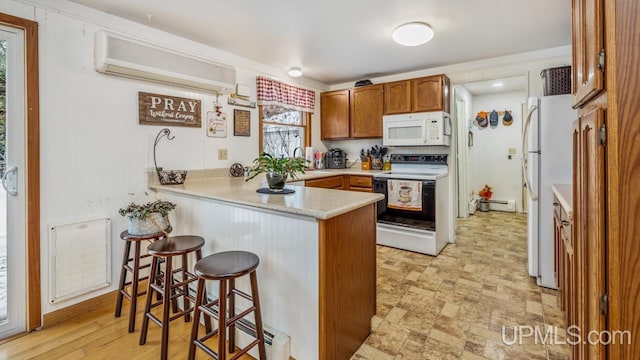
<point x="295" y="72"/>
<point x="498" y="84"/>
<point x="412" y="34"/>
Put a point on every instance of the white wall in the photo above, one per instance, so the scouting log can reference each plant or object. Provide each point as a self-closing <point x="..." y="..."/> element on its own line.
<point x="93" y="152"/>
<point x="489" y="155"/>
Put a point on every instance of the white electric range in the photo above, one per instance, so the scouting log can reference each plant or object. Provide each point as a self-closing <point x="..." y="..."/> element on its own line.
<point x="414" y="214"/>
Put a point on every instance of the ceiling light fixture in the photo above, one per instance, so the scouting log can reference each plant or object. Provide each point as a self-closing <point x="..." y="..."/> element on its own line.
<point x="498" y="84"/>
<point x="412" y="34"/>
<point x="295" y="72"/>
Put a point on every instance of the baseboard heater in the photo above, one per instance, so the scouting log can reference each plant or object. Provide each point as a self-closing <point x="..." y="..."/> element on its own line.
<point x="502" y="205"/>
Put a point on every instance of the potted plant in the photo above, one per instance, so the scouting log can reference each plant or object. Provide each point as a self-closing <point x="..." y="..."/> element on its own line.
<point x="148" y="218"/>
<point x="277" y="170"/>
<point x="485" y="195"/>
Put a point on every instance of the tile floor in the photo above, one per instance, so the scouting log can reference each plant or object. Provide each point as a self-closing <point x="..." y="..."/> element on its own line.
<point x="454" y="306"/>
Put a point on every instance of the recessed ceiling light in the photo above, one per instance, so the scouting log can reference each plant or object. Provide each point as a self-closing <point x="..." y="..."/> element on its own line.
<point x="295" y="72"/>
<point x="412" y="34"/>
<point x="498" y="84"/>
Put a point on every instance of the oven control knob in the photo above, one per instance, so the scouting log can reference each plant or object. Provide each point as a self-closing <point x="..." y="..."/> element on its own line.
<point x="423" y="158"/>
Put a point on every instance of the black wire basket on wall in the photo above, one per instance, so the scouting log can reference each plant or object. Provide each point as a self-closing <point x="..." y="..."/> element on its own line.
<point x="167" y="177"/>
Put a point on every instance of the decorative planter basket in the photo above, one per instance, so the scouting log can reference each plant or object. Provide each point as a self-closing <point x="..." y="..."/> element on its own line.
<point x="483" y="205"/>
<point x="152" y="224"/>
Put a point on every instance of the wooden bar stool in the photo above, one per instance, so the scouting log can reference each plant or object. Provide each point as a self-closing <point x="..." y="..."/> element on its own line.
<point x="132" y="265"/>
<point x="170" y="289"/>
<point x="226" y="267"/>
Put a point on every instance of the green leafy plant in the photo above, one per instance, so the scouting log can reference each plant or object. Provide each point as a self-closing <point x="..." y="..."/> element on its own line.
<point x="286" y="166"/>
<point x="135" y="211"/>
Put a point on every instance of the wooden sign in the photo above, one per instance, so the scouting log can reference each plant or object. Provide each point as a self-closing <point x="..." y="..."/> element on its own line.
<point x="164" y="110"/>
<point x="241" y="123"/>
<point x="216" y="124"/>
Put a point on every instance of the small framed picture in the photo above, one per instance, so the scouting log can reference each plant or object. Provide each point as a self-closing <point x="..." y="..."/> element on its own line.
<point x="241" y="122"/>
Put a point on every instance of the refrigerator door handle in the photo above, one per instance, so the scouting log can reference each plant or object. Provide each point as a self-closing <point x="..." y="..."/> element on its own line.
<point x="525" y="151"/>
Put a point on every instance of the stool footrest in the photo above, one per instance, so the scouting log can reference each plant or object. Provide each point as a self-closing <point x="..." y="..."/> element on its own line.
<point x="245" y="349"/>
<point x="235" y="319"/>
<point x="244" y="295"/>
<point x="154" y="319"/>
<point x="206" y="349"/>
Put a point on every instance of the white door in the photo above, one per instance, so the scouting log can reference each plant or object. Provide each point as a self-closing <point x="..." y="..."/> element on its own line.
<point x="12" y="191"/>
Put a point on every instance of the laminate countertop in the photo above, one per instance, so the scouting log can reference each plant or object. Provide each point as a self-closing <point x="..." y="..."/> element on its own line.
<point x="305" y="201"/>
<point x="564" y="194"/>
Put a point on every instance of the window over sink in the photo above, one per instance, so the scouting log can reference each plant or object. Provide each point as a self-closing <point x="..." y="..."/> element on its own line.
<point x="282" y="131"/>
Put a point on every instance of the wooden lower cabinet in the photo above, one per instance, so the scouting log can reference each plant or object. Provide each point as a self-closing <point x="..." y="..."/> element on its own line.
<point x="362" y="183"/>
<point x="589" y="241"/>
<point x="332" y="182"/>
<point x="565" y="265"/>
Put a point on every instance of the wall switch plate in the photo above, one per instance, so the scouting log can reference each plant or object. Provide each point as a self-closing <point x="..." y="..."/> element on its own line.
<point x="222" y="154"/>
<point x="512" y="151"/>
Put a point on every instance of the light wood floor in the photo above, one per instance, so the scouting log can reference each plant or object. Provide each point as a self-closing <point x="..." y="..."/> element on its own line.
<point x="99" y="335"/>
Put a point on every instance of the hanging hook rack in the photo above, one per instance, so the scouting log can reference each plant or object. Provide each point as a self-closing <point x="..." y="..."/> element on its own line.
<point x="164" y="132"/>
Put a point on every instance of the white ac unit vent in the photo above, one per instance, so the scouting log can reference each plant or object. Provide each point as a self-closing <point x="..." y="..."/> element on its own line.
<point x="120" y="55"/>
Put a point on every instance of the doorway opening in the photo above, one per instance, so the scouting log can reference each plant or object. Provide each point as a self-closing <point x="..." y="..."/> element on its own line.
<point x="489" y="152"/>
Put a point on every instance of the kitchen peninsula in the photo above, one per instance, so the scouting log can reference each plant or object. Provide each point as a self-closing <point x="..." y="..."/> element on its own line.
<point x="317" y="249"/>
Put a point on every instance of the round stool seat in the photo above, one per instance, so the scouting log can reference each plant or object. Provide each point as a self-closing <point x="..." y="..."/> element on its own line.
<point x="228" y="264"/>
<point x="131" y="237"/>
<point x="176" y="245"/>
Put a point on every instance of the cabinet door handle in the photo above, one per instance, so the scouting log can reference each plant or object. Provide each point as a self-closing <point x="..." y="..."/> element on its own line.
<point x="565" y="223"/>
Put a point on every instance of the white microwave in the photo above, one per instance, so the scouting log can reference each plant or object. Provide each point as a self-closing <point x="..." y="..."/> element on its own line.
<point x="417" y="129"/>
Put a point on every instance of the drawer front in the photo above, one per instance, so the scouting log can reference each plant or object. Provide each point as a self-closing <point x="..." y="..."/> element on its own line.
<point x="360" y="181"/>
<point x="333" y="182"/>
<point x="361" y="189"/>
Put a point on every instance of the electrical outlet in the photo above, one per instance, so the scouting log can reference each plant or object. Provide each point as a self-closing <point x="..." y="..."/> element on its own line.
<point x="222" y="154"/>
<point x="512" y="151"/>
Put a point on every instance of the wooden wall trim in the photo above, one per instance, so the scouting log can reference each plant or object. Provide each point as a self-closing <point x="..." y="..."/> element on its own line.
<point x="81" y="308"/>
<point x="347" y="246"/>
<point x="34" y="306"/>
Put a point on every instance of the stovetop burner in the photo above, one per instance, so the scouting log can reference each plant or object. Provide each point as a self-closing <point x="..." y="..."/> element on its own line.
<point x="416" y="166"/>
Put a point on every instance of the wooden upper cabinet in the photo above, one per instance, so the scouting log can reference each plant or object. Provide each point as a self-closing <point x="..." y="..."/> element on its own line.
<point x="334" y="114"/>
<point x="588" y="50"/>
<point x="397" y="97"/>
<point x="430" y="93"/>
<point x="366" y="111"/>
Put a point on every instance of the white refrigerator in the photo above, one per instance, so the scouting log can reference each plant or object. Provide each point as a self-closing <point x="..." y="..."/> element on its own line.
<point x="546" y="160"/>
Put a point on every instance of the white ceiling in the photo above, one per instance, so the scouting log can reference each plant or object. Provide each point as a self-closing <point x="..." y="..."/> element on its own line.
<point x="487" y="86"/>
<point x="336" y="41"/>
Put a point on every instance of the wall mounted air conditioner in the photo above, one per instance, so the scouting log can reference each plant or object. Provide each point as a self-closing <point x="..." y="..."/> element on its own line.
<point x="123" y="56"/>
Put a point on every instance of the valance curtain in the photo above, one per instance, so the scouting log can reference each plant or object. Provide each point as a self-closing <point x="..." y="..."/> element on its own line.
<point x="272" y="92"/>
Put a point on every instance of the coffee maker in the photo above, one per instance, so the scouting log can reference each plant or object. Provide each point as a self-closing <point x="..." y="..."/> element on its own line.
<point x="336" y="159"/>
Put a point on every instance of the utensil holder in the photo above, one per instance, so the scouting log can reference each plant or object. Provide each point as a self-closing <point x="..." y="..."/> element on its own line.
<point x="366" y="164"/>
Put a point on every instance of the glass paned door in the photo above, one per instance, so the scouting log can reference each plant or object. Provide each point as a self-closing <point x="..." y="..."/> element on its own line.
<point x="12" y="191"/>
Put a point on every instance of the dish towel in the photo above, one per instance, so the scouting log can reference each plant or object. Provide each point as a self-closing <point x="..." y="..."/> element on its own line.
<point x="404" y="195"/>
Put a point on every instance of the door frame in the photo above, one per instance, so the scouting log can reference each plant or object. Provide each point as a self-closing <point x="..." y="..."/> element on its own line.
<point x="461" y="159"/>
<point x="32" y="171"/>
